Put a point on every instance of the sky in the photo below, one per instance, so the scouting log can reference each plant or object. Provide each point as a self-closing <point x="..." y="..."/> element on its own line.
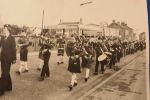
<point x="29" y="12"/>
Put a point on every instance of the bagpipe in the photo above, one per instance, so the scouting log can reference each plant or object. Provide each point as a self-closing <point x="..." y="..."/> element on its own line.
<point x="45" y="41"/>
<point x="24" y="42"/>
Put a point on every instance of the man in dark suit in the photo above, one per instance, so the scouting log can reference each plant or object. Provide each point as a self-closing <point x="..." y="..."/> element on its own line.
<point x="8" y="57"/>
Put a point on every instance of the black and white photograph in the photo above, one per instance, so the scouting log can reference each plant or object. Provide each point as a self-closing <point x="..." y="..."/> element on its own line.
<point x="74" y="50"/>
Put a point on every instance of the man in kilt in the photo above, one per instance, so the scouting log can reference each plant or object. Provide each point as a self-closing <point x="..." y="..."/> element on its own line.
<point x="74" y="64"/>
<point x="61" y="48"/>
<point x="23" y="43"/>
<point x="87" y="59"/>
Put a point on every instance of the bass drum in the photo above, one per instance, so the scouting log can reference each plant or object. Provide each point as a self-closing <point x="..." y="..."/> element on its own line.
<point x="104" y="58"/>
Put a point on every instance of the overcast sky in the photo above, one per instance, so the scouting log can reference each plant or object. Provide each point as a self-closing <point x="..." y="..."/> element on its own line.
<point x="29" y="12"/>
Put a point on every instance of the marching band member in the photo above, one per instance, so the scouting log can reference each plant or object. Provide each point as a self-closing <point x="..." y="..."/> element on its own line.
<point x="41" y="60"/>
<point x="46" y="56"/>
<point x="98" y="51"/>
<point x="61" y="47"/>
<point x="104" y="62"/>
<point x="119" y="51"/>
<point x="87" y="60"/>
<point x="114" y="47"/>
<point x="74" y="65"/>
<point x="23" y="44"/>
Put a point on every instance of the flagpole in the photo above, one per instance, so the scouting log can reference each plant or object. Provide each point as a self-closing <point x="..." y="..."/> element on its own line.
<point x="42" y="22"/>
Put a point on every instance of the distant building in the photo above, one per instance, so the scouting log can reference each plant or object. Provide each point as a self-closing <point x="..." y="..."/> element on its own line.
<point x="69" y="28"/>
<point x="121" y="30"/>
<point x="142" y="36"/>
<point x="92" y="30"/>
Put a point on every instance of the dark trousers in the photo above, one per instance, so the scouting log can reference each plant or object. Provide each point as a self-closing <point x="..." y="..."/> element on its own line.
<point x="102" y="66"/>
<point x="45" y="70"/>
<point x="5" y="80"/>
<point x="97" y="64"/>
<point x="102" y="63"/>
<point x="112" y="61"/>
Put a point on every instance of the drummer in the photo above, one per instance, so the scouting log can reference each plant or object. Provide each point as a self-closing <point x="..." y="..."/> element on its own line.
<point x="115" y="47"/>
<point x="98" y="52"/>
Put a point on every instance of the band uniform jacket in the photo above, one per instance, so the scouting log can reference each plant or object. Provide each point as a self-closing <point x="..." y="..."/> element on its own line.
<point x="74" y="61"/>
<point x="87" y="57"/>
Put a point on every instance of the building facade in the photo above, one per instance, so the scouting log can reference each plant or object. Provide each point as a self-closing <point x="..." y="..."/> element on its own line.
<point x="122" y="30"/>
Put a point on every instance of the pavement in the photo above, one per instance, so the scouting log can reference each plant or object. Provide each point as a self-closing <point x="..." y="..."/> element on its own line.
<point x="27" y="87"/>
<point x="128" y="84"/>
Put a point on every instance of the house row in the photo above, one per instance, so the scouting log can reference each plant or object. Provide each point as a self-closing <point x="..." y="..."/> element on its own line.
<point x="115" y="29"/>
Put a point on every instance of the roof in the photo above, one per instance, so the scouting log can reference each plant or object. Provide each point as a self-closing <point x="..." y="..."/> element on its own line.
<point x="93" y="25"/>
<point x="117" y="26"/>
<point x="69" y="23"/>
<point x="114" y="25"/>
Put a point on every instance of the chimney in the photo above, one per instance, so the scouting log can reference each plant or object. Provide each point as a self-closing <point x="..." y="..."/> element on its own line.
<point x="114" y="21"/>
<point x="60" y="21"/>
<point x="122" y="24"/>
<point x="81" y="21"/>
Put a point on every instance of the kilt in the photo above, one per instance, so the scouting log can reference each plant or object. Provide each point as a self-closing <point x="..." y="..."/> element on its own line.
<point x="74" y="65"/>
<point x="23" y="54"/>
<point x="60" y="52"/>
<point x="86" y="63"/>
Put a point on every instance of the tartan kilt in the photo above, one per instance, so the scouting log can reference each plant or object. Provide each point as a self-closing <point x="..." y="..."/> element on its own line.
<point x="23" y="54"/>
<point x="74" y="66"/>
<point x="86" y="63"/>
<point x="60" y="52"/>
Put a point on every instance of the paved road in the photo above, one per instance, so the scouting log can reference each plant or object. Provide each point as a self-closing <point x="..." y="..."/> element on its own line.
<point x="27" y="87"/>
<point x="129" y="84"/>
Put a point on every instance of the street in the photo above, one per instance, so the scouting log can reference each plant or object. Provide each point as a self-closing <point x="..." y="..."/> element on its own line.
<point x="129" y="84"/>
<point x="27" y="87"/>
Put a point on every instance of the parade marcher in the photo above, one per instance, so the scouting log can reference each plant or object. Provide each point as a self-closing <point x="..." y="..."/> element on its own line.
<point x="103" y="62"/>
<point x="119" y="51"/>
<point x="23" y="44"/>
<point x="61" y="48"/>
<point x="8" y="57"/>
<point x="115" y="53"/>
<point x="41" y="60"/>
<point x="112" y="60"/>
<point x="46" y="56"/>
<point x="98" y="51"/>
<point x="74" y="64"/>
<point x="86" y="60"/>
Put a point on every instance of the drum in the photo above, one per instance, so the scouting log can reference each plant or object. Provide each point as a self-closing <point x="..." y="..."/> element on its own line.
<point x="102" y="57"/>
<point x="108" y="53"/>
